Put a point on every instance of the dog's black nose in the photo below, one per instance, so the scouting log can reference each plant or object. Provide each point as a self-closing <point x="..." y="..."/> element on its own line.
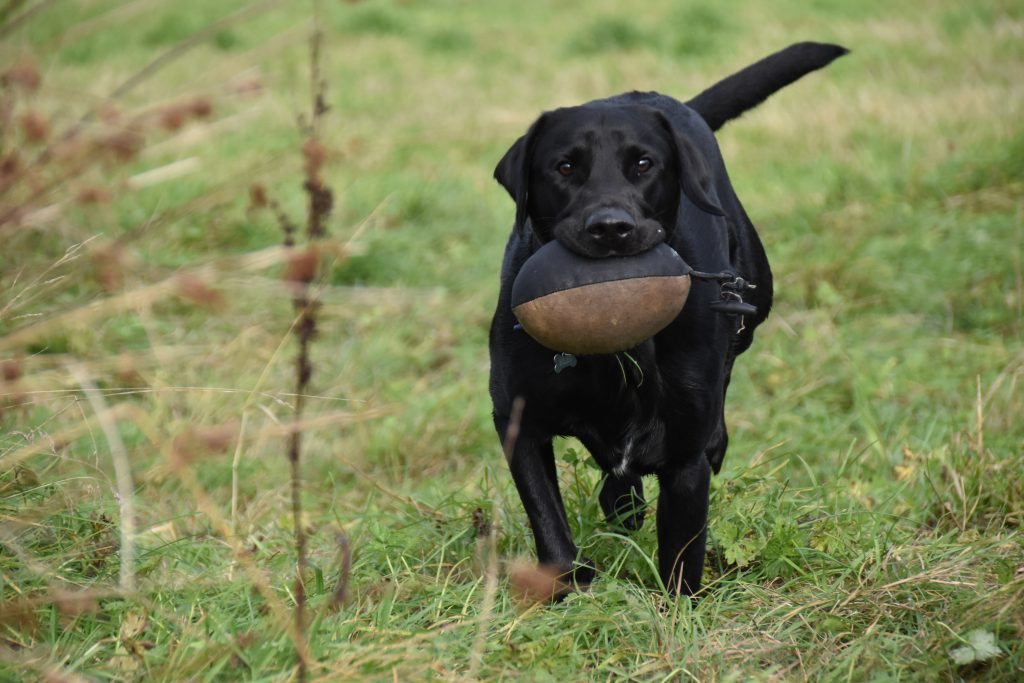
<point x="610" y="226"/>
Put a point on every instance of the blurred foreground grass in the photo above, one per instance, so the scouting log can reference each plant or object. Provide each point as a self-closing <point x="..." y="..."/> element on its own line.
<point x="867" y="524"/>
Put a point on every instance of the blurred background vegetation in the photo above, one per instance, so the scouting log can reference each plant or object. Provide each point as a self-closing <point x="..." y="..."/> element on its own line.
<point x="866" y="524"/>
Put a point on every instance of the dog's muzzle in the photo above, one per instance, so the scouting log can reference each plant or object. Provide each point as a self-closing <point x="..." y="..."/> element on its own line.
<point x="610" y="227"/>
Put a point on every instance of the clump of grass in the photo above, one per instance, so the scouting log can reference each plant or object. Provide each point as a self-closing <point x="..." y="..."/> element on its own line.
<point x="867" y="522"/>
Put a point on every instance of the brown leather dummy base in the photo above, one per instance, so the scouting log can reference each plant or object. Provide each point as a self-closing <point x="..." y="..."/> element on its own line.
<point x="604" y="317"/>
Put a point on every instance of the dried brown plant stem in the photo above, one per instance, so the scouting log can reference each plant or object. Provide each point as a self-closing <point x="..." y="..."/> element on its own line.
<point x="491" y="548"/>
<point x="302" y="273"/>
<point x="122" y="475"/>
<point x="236" y="462"/>
<point x="303" y="372"/>
<point x="476" y="655"/>
<point x="344" y="561"/>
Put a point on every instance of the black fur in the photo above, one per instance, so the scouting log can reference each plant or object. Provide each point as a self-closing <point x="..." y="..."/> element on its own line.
<point x="615" y="177"/>
<point x="749" y="87"/>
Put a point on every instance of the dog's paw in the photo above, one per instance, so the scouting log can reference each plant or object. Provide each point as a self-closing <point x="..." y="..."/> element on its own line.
<point x="583" y="572"/>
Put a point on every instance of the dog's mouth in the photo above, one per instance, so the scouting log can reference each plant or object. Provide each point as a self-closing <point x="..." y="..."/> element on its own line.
<point x="609" y="232"/>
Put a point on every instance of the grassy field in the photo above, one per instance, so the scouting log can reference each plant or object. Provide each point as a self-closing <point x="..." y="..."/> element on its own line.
<point x="867" y="524"/>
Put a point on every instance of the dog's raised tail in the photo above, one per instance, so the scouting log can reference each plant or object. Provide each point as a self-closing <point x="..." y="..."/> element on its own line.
<point x="751" y="86"/>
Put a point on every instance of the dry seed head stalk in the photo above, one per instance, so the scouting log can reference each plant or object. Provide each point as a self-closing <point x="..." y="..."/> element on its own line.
<point x="109" y="266"/>
<point x="200" y="107"/>
<point x="194" y="289"/>
<point x="249" y="86"/>
<point x="257" y="196"/>
<point x="174" y="116"/>
<point x="314" y="154"/>
<point x="72" y="147"/>
<point x="10" y="168"/>
<point x="124" y="144"/>
<point x="127" y="373"/>
<point x="93" y="195"/>
<point x="285" y="223"/>
<point x="23" y="74"/>
<point x="196" y="442"/>
<point x="481" y="524"/>
<point x="344" y="561"/>
<point x="321" y="201"/>
<point x="35" y="126"/>
<point x="302" y="271"/>
<point x="19" y="615"/>
<point x="110" y="113"/>
<point x="302" y="266"/>
<point x="10" y="370"/>
<point x="74" y="604"/>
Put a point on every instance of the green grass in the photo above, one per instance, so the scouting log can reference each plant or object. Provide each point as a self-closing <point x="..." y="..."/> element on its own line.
<point x="866" y="525"/>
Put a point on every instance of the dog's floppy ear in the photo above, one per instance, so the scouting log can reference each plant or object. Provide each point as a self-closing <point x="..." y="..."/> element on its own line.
<point x="513" y="172"/>
<point x="694" y="174"/>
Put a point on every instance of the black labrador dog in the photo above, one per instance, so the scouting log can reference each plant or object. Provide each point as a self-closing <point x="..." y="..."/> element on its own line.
<point x="613" y="177"/>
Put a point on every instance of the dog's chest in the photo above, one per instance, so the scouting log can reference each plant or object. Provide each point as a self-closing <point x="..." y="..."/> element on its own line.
<point x="613" y="406"/>
<point x="634" y="447"/>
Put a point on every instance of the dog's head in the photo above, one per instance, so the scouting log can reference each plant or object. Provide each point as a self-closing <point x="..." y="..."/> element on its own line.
<point x="603" y="180"/>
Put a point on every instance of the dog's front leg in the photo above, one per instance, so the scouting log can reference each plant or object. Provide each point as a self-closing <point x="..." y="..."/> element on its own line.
<point x="682" y="524"/>
<point x="622" y="499"/>
<point x="532" y="463"/>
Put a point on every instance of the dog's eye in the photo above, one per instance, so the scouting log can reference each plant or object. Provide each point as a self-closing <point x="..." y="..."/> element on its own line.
<point x="644" y="165"/>
<point x="566" y="168"/>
